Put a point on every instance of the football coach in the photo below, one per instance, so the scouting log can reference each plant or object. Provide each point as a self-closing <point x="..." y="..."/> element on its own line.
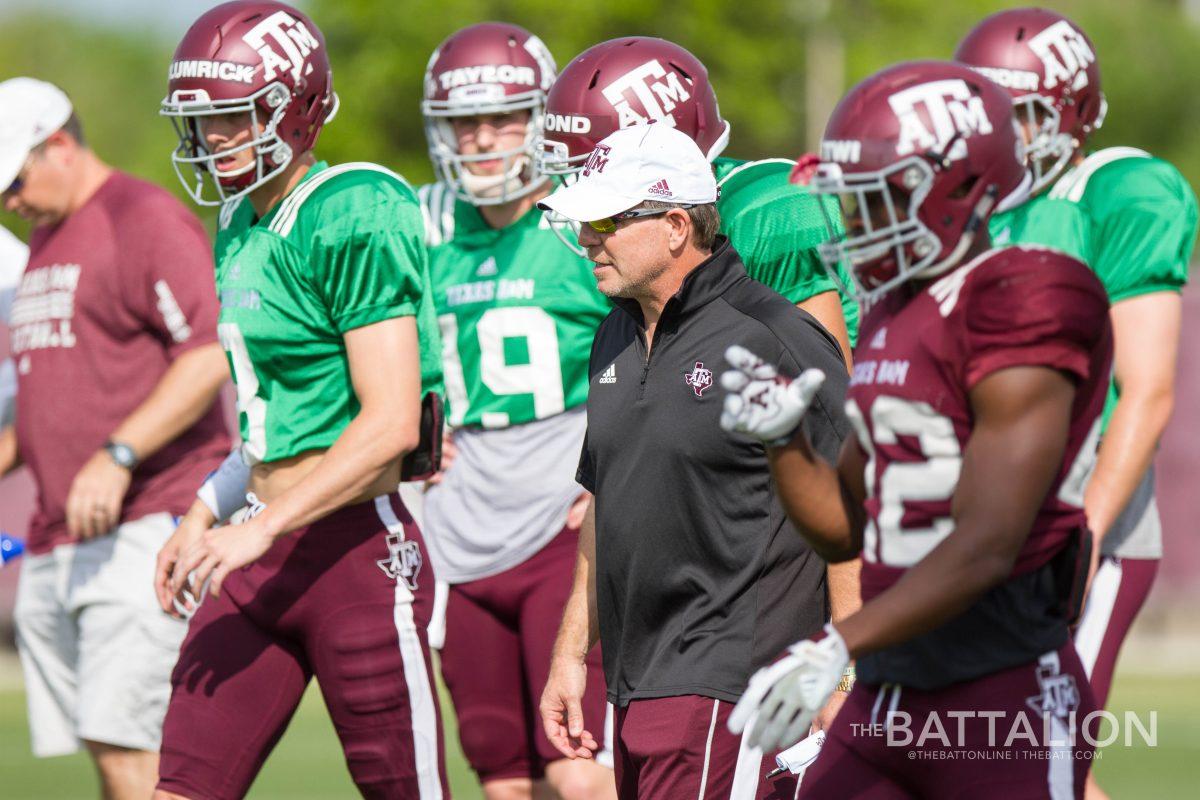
<point x="688" y="573"/>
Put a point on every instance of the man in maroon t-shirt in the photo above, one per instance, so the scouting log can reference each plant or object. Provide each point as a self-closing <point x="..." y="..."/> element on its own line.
<point x="113" y="331"/>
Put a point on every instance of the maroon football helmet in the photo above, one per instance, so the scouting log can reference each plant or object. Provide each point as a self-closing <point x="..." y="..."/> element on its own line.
<point x="1049" y="67"/>
<point x="264" y="59"/>
<point x="625" y="82"/>
<point x="919" y="156"/>
<point x="489" y="68"/>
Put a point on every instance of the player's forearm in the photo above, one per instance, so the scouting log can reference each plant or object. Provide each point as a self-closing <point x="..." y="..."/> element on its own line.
<point x="845" y="594"/>
<point x="1126" y="452"/>
<point x="813" y="497"/>
<point x="826" y="307"/>
<point x="184" y="393"/>
<point x="10" y="457"/>
<point x="369" y="447"/>
<point x="938" y="588"/>
<point x="580" y="628"/>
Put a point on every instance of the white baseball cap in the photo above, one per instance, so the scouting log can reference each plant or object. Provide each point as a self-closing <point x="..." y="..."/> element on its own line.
<point x="30" y="110"/>
<point x="644" y="162"/>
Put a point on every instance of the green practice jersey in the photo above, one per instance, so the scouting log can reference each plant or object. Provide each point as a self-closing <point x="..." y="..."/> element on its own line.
<point x="1127" y="215"/>
<point x="343" y="250"/>
<point x="776" y="226"/>
<point x="518" y="312"/>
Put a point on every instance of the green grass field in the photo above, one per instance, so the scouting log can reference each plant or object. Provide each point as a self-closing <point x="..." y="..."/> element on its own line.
<point x="308" y="762"/>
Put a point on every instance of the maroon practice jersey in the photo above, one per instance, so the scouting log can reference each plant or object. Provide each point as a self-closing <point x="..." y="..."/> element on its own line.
<point x="920" y="354"/>
<point x="110" y="297"/>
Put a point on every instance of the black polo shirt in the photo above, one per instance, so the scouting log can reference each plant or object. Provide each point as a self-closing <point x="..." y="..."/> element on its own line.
<point x="700" y="578"/>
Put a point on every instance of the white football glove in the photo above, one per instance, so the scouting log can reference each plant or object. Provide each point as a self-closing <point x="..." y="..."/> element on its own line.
<point x="760" y="402"/>
<point x="783" y="698"/>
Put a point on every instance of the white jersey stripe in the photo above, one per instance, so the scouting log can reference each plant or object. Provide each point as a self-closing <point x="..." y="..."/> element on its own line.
<point x="712" y="728"/>
<point x="750" y="164"/>
<point x="1097" y="613"/>
<point x="1060" y="772"/>
<point x="605" y="757"/>
<point x="421" y="701"/>
<point x="1072" y="185"/>
<point x="285" y="219"/>
<point x="227" y="211"/>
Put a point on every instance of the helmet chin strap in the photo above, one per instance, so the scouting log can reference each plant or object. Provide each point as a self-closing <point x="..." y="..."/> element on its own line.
<point x="981" y="211"/>
<point x="488" y="186"/>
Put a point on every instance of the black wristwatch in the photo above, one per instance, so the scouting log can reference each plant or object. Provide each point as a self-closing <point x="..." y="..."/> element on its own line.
<point x="121" y="454"/>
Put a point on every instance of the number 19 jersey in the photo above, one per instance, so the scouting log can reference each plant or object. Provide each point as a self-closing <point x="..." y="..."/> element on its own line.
<point x="517" y="312"/>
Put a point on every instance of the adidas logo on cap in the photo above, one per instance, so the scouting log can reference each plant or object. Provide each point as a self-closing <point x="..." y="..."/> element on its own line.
<point x="660" y="188"/>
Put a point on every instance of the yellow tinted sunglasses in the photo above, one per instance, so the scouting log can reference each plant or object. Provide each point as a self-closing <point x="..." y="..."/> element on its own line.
<point x="609" y="224"/>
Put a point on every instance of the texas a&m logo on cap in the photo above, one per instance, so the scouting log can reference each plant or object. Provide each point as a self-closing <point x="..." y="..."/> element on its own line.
<point x="598" y="160"/>
<point x="700" y="378"/>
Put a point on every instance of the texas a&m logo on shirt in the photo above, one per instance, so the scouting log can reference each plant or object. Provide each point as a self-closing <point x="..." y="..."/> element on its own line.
<point x="700" y="378"/>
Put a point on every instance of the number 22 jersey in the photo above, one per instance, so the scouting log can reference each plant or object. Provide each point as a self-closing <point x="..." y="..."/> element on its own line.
<point x="920" y="353"/>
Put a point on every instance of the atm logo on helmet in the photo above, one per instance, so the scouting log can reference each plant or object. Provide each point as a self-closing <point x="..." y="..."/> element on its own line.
<point x="1072" y="58"/>
<point x="292" y="38"/>
<point x="951" y="110"/>
<point x="657" y="90"/>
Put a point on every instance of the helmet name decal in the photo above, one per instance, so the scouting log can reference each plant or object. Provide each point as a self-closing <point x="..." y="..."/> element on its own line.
<point x="291" y="36"/>
<point x="219" y="70"/>
<point x="845" y="151"/>
<point x="952" y="110"/>
<point x="566" y="123"/>
<point x="657" y="97"/>
<point x="487" y="73"/>
<point x="1019" y="79"/>
<point x="1072" y="58"/>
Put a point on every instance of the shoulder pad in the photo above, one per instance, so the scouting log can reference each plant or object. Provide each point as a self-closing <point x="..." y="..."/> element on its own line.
<point x="1072" y="185"/>
<point x="740" y="168"/>
<point x="437" y="206"/>
<point x="285" y="219"/>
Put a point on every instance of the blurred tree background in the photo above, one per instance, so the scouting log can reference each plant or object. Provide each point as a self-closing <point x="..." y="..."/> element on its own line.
<point x="777" y="65"/>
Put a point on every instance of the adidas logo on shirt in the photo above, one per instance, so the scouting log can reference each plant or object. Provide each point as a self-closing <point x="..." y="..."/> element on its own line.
<point x="880" y="340"/>
<point x="487" y="268"/>
<point x="609" y="375"/>
<point x="660" y="188"/>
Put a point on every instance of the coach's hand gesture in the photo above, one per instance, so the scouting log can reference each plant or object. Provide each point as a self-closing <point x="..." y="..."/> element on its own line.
<point x="94" y="500"/>
<point x="562" y="710"/>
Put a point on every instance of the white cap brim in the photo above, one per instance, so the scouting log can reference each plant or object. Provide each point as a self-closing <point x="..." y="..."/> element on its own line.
<point x="581" y="202"/>
<point x="30" y="110"/>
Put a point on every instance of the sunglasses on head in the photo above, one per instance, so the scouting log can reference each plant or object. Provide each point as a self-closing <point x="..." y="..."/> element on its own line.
<point x="609" y="224"/>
